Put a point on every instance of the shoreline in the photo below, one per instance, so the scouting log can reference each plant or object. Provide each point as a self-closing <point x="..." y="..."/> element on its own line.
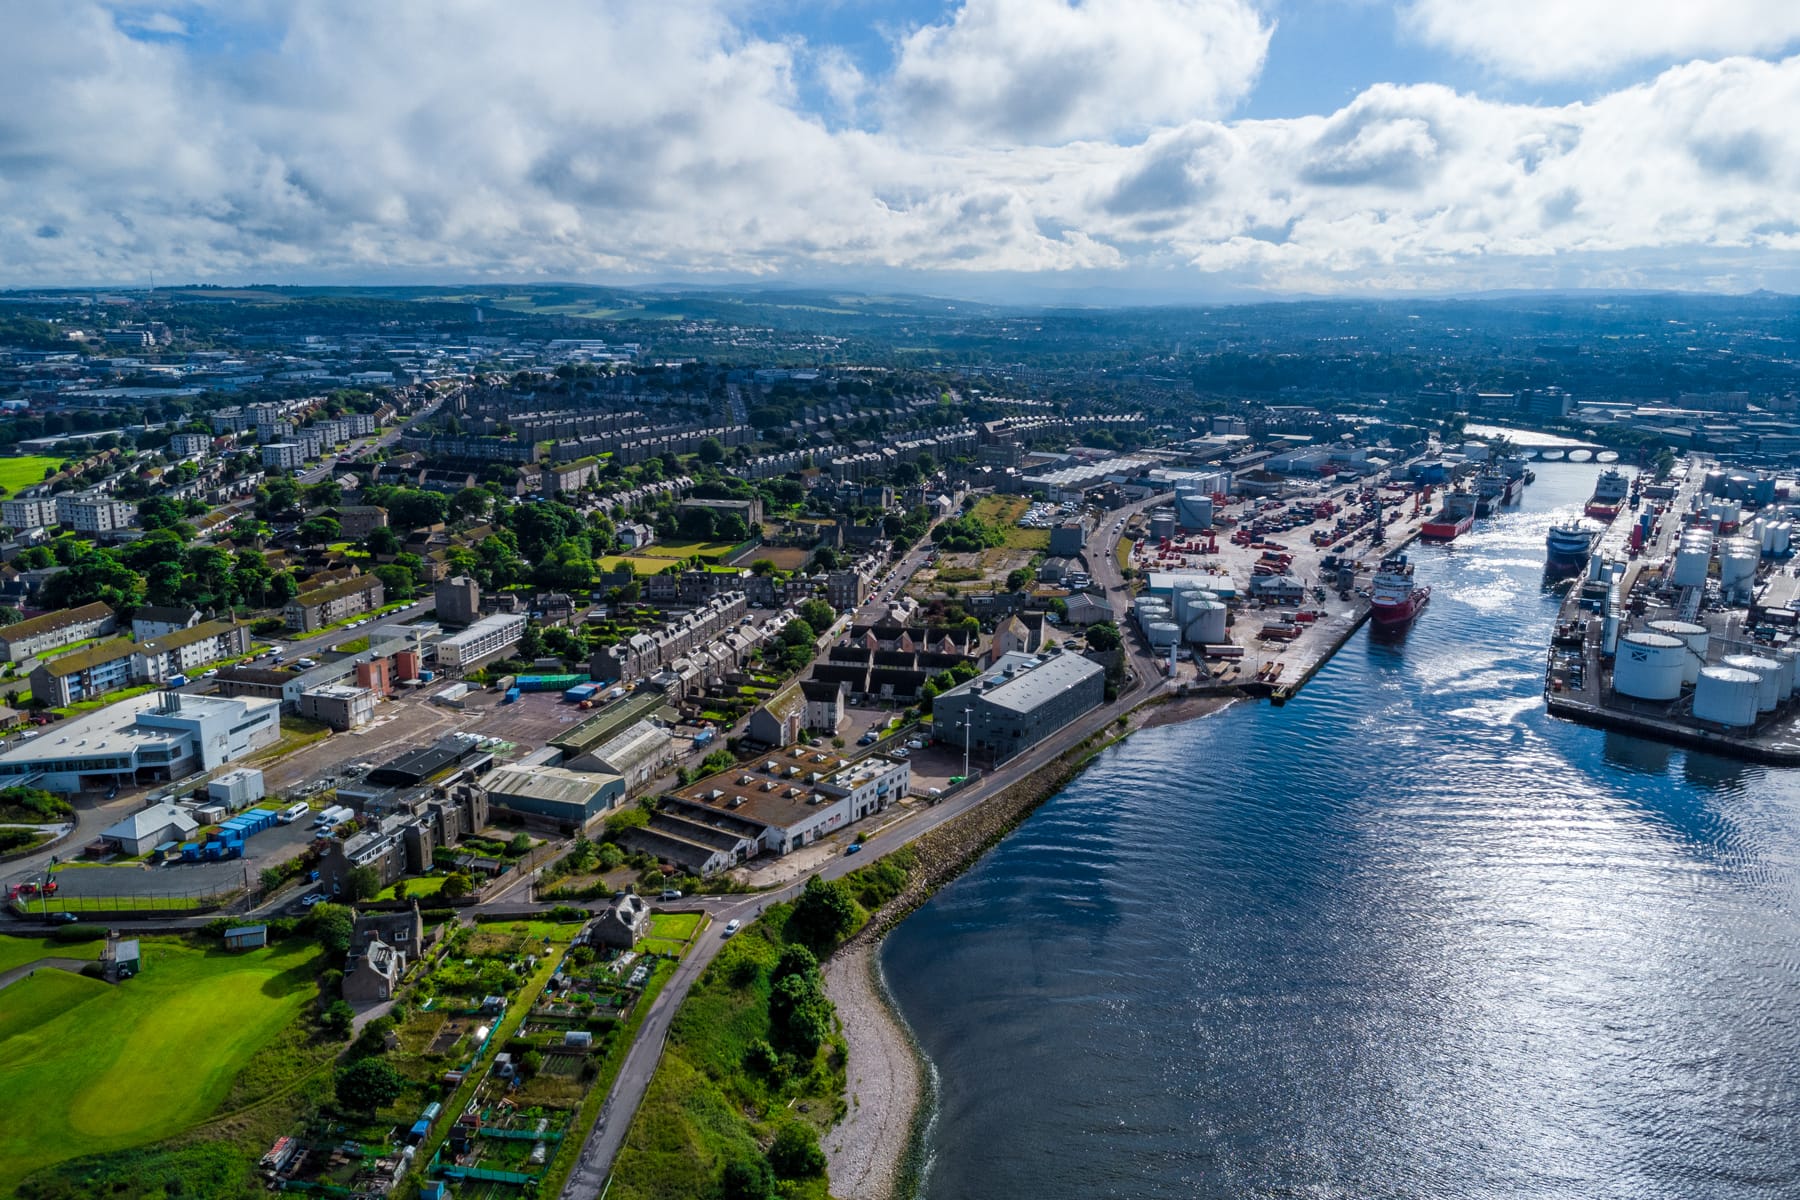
<point x="870" y="1153"/>
<point x="876" y="1151"/>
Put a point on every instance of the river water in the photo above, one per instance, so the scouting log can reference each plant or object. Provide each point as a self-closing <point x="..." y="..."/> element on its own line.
<point x="1404" y="937"/>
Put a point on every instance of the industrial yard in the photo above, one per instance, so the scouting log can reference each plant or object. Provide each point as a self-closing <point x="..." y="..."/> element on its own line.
<point x="1682" y="625"/>
<point x="1258" y="593"/>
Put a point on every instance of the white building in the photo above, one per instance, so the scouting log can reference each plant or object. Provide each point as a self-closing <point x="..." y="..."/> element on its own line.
<point x="95" y="514"/>
<point x="160" y="737"/>
<point x="31" y="513"/>
<point x="283" y="456"/>
<point x="190" y="445"/>
<point x="482" y="640"/>
<point x="236" y="789"/>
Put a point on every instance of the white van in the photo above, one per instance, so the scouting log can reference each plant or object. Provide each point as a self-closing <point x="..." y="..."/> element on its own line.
<point x="292" y="813"/>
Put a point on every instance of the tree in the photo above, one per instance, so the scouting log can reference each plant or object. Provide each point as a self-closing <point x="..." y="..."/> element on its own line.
<point x="697" y="523"/>
<point x="823" y="913"/>
<point x="382" y="542"/>
<point x="362" y="883"/>
<point x="472" y="503"/>
<point x="158" y="512"/>
<point x="746" y="1178"/>
<point x="520" y="844"/>
<point x="412" y="509"/>
<point x="332" y="925"/>
<point x="531" y="641"/>
<point x="798" y="633"/>
<point x="817" y="613"/>
<point x="456" y="886"/>
<point x="795" y="959"/>
<point x="568" y="567"/>
<point x="800" y="1014"/>
<point x="796" y="1153"/>
<point x="763" y="567"/>
<point x="712" y="450"/>
<point x="368" y="1084"/>
<point x="397" y="581"/>
<point x="338" y="1018"/>
<point x="1103" y="635"/>
<point x="319" y="530"/>
<point x="1017" y="579"/>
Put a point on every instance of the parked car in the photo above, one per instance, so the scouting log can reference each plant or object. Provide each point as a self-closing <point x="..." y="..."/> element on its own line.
<point x="314" y="898"/>
<point x="671" y="894"/>
<point x="915" y="744"/>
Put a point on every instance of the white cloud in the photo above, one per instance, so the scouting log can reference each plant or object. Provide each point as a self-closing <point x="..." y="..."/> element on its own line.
<point x="1572" y="39"/>
<point x="641" y="141"/>
<point x="1052" y="70"/>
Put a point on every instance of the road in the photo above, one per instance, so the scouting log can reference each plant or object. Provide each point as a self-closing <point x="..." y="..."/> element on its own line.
<point x="608" y="1133"/>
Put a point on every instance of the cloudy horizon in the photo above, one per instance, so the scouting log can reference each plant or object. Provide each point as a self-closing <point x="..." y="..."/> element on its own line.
<point x="1175" y="149"/>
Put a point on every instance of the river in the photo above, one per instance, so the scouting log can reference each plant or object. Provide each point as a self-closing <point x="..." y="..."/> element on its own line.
<point x="1405" y="937"/>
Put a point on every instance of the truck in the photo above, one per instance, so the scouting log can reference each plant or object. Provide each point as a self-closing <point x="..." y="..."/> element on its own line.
<point x="512" y="695"/>
<point x="176" y="681"/>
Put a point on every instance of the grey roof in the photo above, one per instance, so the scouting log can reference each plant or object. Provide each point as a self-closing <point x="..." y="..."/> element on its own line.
<point x="555" y="785"/>
<point x="1028" y="690"/>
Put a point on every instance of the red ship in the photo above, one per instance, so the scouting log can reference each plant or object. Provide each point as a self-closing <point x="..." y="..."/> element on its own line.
<point x="1394" y="600"/>
<point x="1453" y="520"/>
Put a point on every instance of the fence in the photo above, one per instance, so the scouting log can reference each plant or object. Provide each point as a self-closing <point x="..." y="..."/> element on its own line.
<point x="167" y="905"/>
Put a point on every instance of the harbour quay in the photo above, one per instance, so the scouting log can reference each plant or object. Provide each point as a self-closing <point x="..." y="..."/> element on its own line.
<point x="1681" y="624"/>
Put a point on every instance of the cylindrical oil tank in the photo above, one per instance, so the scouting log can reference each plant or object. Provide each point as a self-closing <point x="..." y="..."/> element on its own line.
<point x="1142" y="602"/>
<point x="1162" y="524"/>
<point x="1789" y="659"/>
<point x="1207" y="624"/>
<point x="1193" y="510"/>
<point x="1714" y="484"/>
<point x="1153" y="616"/>
<point x="1649" y="666"/>
<point x="1185" y="600"/>
<point x="1163" y="634"/>
<point x="1768" y="677"/>
<point x="1784" y="538"/>
<point x="1737" y="563"/>
<point x="1694" y="637"/>
<point x="1763" y="490"/>
<point x="1691" y="559"/>
<point x="1727" y="696"/>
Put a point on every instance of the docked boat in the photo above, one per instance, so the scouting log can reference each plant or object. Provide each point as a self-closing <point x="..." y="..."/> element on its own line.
<point x="1453" y="520"/>
<point x="1567" y="546"/>
<point x="1495" y="489"/>
<point x="1609" y="494"/>
<point x="1394" y="599"/>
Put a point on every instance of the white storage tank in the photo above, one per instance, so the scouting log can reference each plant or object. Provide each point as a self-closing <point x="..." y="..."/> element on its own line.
<point x="1184" y="604"/>
<point x="1207" y="625"/>
<point x="1737" y="564"/>
<point x="1649" y="666"/>
<point x="1727" y="696"/>
<point x="1163" y="634"/>
<point x="1790" y="659"/>
<point x="1768" y="676"/>
<point x="1193" y="510"/>
<point x="1784" y="538"/>
<point x="1691" y="559"/>
<point x="1694" y="637"/>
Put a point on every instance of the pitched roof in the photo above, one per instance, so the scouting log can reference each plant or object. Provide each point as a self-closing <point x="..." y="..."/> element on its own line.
<point x="51" y="622"/>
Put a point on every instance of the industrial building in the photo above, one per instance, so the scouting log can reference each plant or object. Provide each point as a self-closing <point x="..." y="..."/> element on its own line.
<point x="569" y="799"/>
<point x="785" y="800"/>
<point x="338" y="705"/>
<point x="147" y="739"/>
<point x="486" y="639"/>
<point x="1017" y="703"/>
<point x="637" y="754"/>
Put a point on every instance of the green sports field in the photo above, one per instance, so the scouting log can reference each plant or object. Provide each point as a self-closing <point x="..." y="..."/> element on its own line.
<point x="92" y="1067"/>
<point x="17" y="472"/>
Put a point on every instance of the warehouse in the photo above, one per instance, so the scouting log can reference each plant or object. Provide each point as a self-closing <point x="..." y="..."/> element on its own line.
<point x="1017" y="703"/>
<point x="571" y="799"/>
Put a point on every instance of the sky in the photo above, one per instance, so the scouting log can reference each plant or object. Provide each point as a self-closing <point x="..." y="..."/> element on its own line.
<point x="1096" y="150"/>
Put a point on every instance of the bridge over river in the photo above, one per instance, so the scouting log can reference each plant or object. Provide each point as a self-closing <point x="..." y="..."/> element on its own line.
<point x="1547" y="447"/>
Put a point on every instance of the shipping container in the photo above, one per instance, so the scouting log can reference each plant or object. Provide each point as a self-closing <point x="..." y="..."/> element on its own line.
<point x="512" y="694"/>
<point x="549" y="683"/>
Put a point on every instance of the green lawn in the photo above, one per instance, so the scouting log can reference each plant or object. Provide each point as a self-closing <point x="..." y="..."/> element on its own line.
<point x="25" y="469"/>
<point x="17" y="951"/>
<point x="425" y="885"/>
<point x="92" y="1067"/>
<point x="685" y="549"/>
<point x="640" y="564"/>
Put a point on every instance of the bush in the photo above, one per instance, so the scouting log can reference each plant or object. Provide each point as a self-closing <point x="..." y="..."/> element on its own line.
<point x="823" y="913"/>
<point x="796" y="1153"/>
<point x="368" y="1084"/>
<point x="338" y="1019"/>
<point x="568" y="912"/>
<point x="746" y="1179"/>
<point x="78" y="932"/>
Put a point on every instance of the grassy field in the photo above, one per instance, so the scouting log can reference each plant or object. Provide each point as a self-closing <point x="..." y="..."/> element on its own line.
<point x="1003" y="512"/>
<point x="92" y="1067"/>
<point x="670" y="933"/>
<point x="641" y="564"/>
<point x="24" y="469"/>
<point x="17" y="951"/>
<point x="685" y="549"/>
<point x="295" y="733"/>
<point x="425" y="885"/>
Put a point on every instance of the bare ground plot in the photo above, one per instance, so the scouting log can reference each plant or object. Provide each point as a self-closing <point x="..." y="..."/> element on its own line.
<point x="970" y="571"/>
